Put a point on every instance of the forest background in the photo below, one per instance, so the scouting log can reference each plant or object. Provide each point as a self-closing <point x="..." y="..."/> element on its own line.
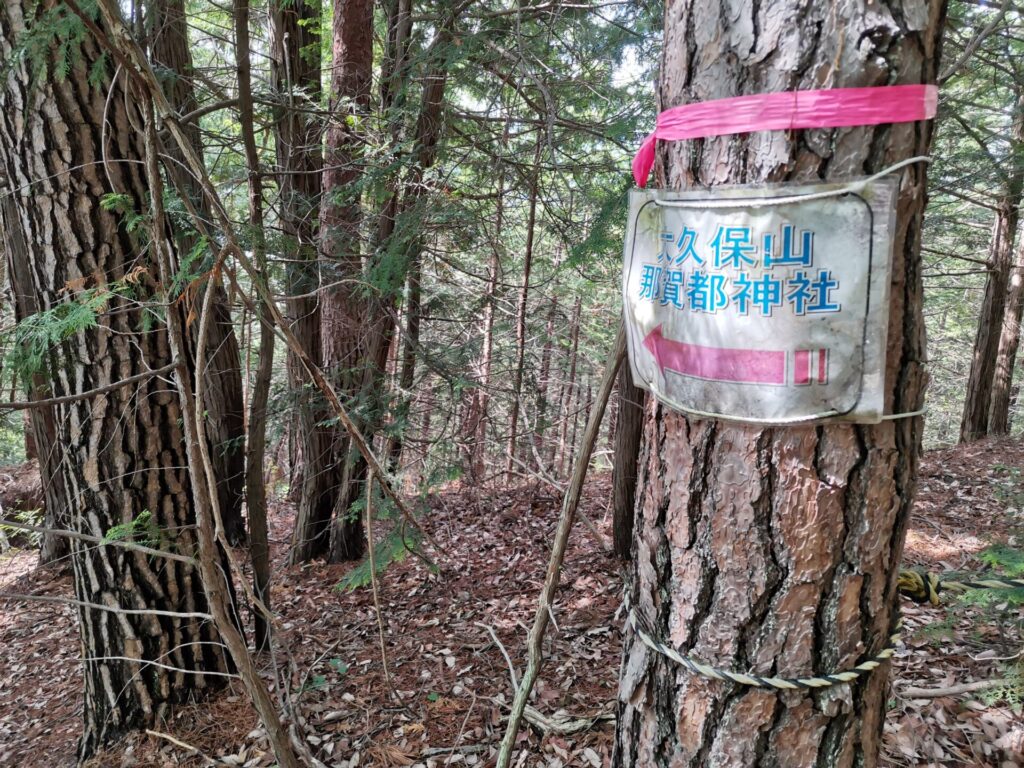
<point x="434" y="200"/>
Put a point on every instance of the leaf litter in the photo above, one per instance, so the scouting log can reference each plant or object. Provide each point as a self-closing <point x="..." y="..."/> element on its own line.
<point x="450" y="681"/>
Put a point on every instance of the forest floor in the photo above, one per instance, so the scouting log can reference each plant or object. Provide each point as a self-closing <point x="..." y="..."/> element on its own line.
<point x="450" y="681"/>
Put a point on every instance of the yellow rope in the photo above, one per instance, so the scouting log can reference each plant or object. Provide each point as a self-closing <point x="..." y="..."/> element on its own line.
<point x="917" y="586"/>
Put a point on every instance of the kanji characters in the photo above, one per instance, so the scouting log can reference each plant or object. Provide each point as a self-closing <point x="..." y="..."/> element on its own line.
<point x="706" y="293"/>
<point x="789" y="255"/>
<point x="733" y="248"/>
<point x="650" y="282"/>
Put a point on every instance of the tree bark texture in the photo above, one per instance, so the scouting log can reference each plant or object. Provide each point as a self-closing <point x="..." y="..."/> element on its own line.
<point x="40" y="426"/>
<point x="343" y="330"/>
<point x="777" y="550"/>
<point x="124" y="452"/>
<point x="978" y="400"/>
<point x="1009" y="342"/>
<point x="296" y="77"/>
<point x="629" y="427"/>
<point x="225" y="405"/>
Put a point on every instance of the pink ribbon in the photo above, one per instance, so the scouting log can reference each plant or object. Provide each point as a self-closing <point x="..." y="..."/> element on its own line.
<point x="789" y="110"/>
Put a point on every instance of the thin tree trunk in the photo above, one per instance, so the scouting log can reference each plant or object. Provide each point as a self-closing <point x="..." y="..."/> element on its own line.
<point x="1009" y="341"/>
<point x="544" y="381"/>
<point x="629" y="427"/>
<point x="524" y="295"/>
<point x="410" y="343"/>
<point x="569" y="389"/>
<point x="978" y="400"/>
<point x="256" y="445"/>
<point x="124" y="457"/>
<point x="477" y="419"/>
<point x="776" y="550"/>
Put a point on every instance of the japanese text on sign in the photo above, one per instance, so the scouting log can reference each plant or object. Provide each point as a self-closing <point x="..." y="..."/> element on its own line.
<point x="761" y="311"/>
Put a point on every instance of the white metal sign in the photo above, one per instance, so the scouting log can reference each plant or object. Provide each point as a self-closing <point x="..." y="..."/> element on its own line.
<point x="761" y="304"/>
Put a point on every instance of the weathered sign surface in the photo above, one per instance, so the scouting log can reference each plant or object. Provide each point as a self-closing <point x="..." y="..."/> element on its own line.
<point x="761" y="304"/>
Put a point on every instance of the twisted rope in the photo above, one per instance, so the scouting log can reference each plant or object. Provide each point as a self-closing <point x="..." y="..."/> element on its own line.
<point x="917" y="586"/>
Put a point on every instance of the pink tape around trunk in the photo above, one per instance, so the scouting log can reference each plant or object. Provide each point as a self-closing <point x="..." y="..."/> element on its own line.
<point x="789" y="110"/>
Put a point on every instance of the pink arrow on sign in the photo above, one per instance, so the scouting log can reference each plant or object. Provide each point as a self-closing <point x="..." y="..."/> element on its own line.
<point x="744" y="366"/>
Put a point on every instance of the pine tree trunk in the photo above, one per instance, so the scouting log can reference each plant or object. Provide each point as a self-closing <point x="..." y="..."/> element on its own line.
<point x="1009" y="341"/>
<point x="40" y="427"/>
<point x="629" y="427"/>
<point x="978" y="399"/>
<point x="124" y="451"/>
<point x="991" y="320"/>
<point x="777" y="550"/>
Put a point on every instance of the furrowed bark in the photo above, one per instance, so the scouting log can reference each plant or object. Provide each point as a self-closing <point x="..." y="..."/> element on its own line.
<point x="296" y="78"/>
<point x="40" y="427"/>
<point x="343" y="307"/>
<point x="124" y="455"/>
<point x="777" y="550"/>
<point x="222" y="376"/>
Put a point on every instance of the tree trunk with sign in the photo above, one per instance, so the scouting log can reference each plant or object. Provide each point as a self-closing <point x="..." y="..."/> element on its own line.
<point x="776" y="550"/>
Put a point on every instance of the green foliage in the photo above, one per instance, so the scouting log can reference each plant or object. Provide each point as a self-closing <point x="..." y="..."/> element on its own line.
<point x="394" y="548"/>
<point x="51" y="43"/>
<point x="142" y="529"/>
<point x="1011" y="692"/>
<point x="125" y="206"/>
<point x="189" y="268"/>
<point x="1009" y="561"/>
<point x="34" y="336"/>
<point x="35" y="517"/>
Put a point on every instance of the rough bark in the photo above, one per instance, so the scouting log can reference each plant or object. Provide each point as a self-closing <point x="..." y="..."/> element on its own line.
<point x="296" y="76"/>
<point x="629" y="427"/>
<point x="405" y="240"/>
<point x="1009" y="342"/>
<point x="978" y="400"/>
<point x="124" y="451"/>
<point x="40" y="427"/>
<point x="344" y="305"/>
<point x="777" y="550"/>
<point x="225" y="407"/>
